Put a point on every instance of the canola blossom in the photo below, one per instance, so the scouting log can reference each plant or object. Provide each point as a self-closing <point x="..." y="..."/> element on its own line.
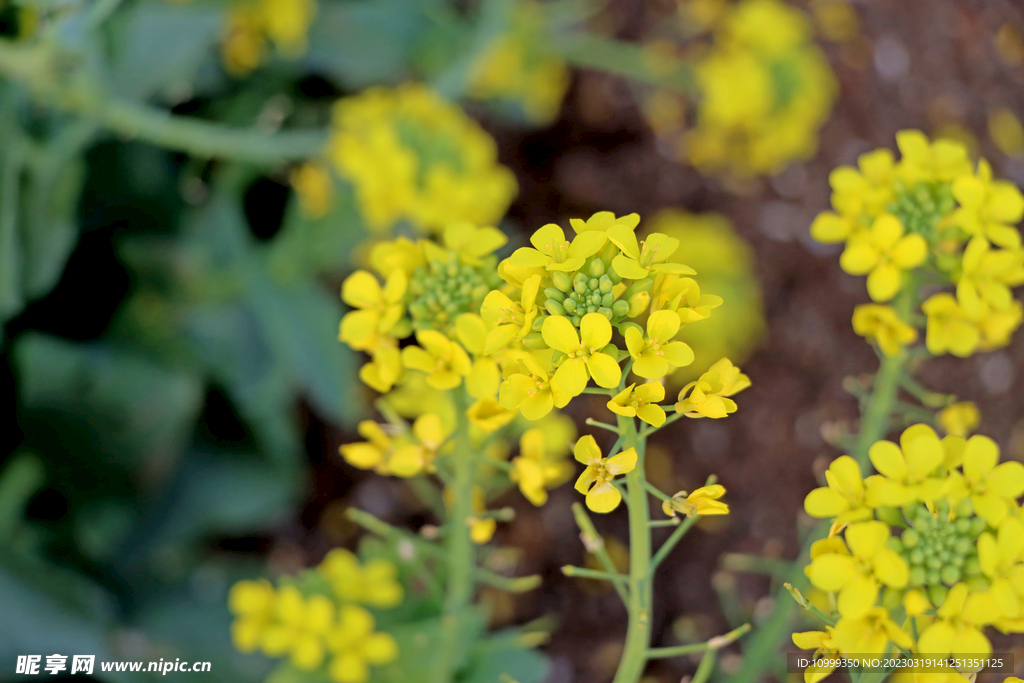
<point x="763" y="90"/>
<point x="932" y="215"/>
<point x="251" y="27"/>
<point x="414" y="159"/>
<point x="317" y="620"/>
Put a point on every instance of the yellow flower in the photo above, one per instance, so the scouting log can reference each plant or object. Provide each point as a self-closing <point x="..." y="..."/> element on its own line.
<point x="252" y="604"/>
<point x="243" y="43"/>
<point x="986" y="277"/>
<point x="484" y="376"/>
<point x="538" y="469"/>
<point x="957" y="629"/>
<point x="824" y="648"/>
<point x="299" y="628"/>
<point x="883" y="253"/>
<point x="314" y="188"/>
<point x="472" y="244"/>
<point x="866" y="189"/>
<point x="908" y="469"/>
<point x="949" y="329"/>
<point x="992" y="487"/>
<point x="443" y="360"/>
<point x="858" y="576"/>
<point x="942" y="160"/>
<point x="709" y="395"/>
<point x="355" y="646"/>
<point x="845" y="496"/>
<point x="512" y="319"/>
<point x="379" y="309"/>
<point x="603" y="221"/>
<point x="526" y="388"/>
<point x="638" y="260"/>
<point x="882" y="325"/>
<point x="385" y="368"/>
<point x="655" y="355"/>
<point x="596" y="479"/>
<point x="287" y="22"/>
<point x="704" y="501"/>
<point x="1000" y="558"/>
<point x="683" y="296"/>
<point x="584" y="359"/>
<point x="555" y="253"/>
<point x="418" y="456"/>
<point x="988" y="207"/>
<point x="482" y="528"/>
<point x="372" y="453"/>
<point x="488" y="415"/>
<point x="870" y="634"/>
<point x="642" y="402"/>
<point x="959" y="419"/>
<point x="374" y="584"/>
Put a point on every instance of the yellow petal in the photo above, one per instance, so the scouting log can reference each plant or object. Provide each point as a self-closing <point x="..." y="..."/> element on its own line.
<point x="560" y="334"/>
<point x="603" y="368"/>
<point x="622" y="462"/>
<point x="586" y="450"/>
<point x="595" y="330"/>
<point x="603" y="498"/>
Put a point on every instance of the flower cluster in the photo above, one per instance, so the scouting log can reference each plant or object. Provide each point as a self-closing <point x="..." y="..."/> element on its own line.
<point x="924" y="554"/>
<point x="315" y="619"/>
<point x="764" y="90"/>
<point x="252" y="26"/>
<point x="521" y="67"/>
<point x="414" y="158"/>
<point x="930" y="216"/>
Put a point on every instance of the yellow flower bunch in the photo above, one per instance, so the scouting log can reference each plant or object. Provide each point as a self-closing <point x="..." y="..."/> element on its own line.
<point x="414" y="158"/>
<point x="317" y="629"/>
<point x="925" y="553"/>
<point x="521" y="67"/>
<point x="764" y="91"/>
<point x="251" y="27"/>
<point x="929" y="214"/>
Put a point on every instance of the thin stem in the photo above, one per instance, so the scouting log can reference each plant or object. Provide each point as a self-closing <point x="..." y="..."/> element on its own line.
<point x="706" y="666"/>
<point x="584" y="573"/>
<point x="669" y="544"/>
<point x="657" y="524"/>
<point x="655" y="491"/>
<point x="593" y="542"/>
<point x="620" y="58"/>
<point x="638" y="632"/>
<point x="598" y="390"/>
<point x="394" y="534"/>
<point x="716" y="643"/>
<point x="510" y="584"/>
<point x="603" y="425"/>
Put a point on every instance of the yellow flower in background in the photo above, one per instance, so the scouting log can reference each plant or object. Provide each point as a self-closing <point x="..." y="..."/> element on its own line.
<point x="250" y="26"/>
<point x="907" y="469"/>
<point x="655" y="354"/>
<point x="959" y="419"/>
<point x="488" y="415"/>
<point x="883" y="253"/>
<point x="991" y="486"/>
<point x="858" y="576"/>
<point x="252" y="603"/>
<point x="1006" y="131"/>
<point x="526" y="388"/>
<point x="988" y="207"/>
<point x="372" y="453"/>
<point x="539" y="468"/>
<point x="385" y="368"/>
<point x="824" y="648"/>
<point x="957" y="630"/>
<point x="552" y="251"/>
<point x="418" y="457"/>
<point x="882" y="325"/>
<point x="444" y="361"/>
<point x="866" y="189"/>
<point x="924" y="160"/>
<point x="596" y="480"/>
<point x="413" y="157"/>
<point x="374" y="583"/>
<point x="584" y="358"/>
<point x="986" y="277"/>
<point x="481" y="529"/>
<point x="709" y="395"/>
<point x="640" y="401"/>
<point x="314" y="188"/>
<point x="355" y="646"/>
<point x="845" y="496"/>
<point x="379" y="310"/>
<point x="521" y="67"/>
<point x="299" y="628"/>
<point x="704" y="501"/>
<point x="949" y="330"/>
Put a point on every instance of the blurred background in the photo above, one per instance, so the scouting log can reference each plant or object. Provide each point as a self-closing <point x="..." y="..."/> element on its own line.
<point x="175" y="390"/>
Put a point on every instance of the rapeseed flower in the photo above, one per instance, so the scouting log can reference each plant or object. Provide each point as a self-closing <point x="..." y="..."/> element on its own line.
<point x="959" y="419"/>
<point x="251" y="26"/>
<point x="655" y="354"/>
<point x="584" y="353"/>
<point x="704" y="501"/>
<point x="538" y="468"/>
<point x="596" y="480"/>
<point x="824" y="648"/>
<point x="709" y="395"/>
<point x="641" y="402"/>
<point x="882" y="253"/>
<point x="845" y="497"/>
<point x="355" y="646"/>
<point x="374" y="583"/>
<point x="883" y="325"/>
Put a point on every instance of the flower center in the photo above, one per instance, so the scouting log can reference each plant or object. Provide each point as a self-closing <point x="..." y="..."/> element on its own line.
<point x="443" y="290"/>
<point x="922" y="207"/>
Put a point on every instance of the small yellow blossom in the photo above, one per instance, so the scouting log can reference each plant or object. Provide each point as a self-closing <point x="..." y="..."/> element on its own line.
<point x="553" y="252"/>
<point x="538" y="468"/>
<point x="991" y="486"/>
<point x="704" y="501"/>
<point x="845" y="496"/>
<point x="252" y="604"/>
<point x="882" y="325"/>
<point x="642" y="402"/>
<point x="374" y="583"/>
<point x="959" y="419"/>
<point x="299" y="628"/>
<point x="870" y="633"/>
<point x="948" y="328"/>
<point x="824" y="648"/>
<point x="907" y="470"/>
<point x="986" y="277"/>
<point x="314" y="188"/>
<point x="709" y="395"/>
<point x="355" y="646"/>
<point x="584" y="359"/>
<point x="596" y="480"/>
<point x="512" y="319"/>
<point x="527" y="388"/>
<point x="957" y="629"/>
<point x="883" y="253"/>
<point x="656" y="354"/>
<point x="378" y="309"/>
<point x="988" y="207"/>
<point x="639" y="259"/>
<point x="385" y="368"/>
<point x="443" y="360"/>
<point x="488" y="415"/>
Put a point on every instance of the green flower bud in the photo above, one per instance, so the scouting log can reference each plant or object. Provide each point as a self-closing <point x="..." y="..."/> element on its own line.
<point x="916" y="556"/>
<point x="553" y="307"/>
<point x="620" y="308"/>
<point x="552" y="293"/>
<point x="890" y="516"/>
<point x="972" y="567"/>
<point x="606" y="312"/>
<point x="596" y="268"/>
<point x="978" y="525"/>
<point x="638" y="303"/>
<point x="950" y="575"/>
<point x="538" y="323"/>
<point x="569" y="305"/>
<point x="561" y="280"/>
<point x="607" y="300"/>
<point x="605" y="284"/>
<point x="937" y="593"/>
<point x="916" y="577"/>
<point x="911" y="538"/>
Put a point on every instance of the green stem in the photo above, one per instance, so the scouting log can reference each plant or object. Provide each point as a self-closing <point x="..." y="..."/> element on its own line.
<point x="668" y="545"/>
<point x="672" y="418"/>
<point x="638" y="633"/>
<point x="45" y="71"/>
<point x="593" y="543"/>
<point x="584" y="573"/>
<point x="621" y="58"/>
<point x="461" y="553"/>
<point x="603" y="425"/>
<point x="716" y="643"/>
<point x="875" y="422"/>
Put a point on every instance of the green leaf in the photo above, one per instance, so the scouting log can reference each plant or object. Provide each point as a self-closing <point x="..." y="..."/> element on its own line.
<point x="501" y="656"/>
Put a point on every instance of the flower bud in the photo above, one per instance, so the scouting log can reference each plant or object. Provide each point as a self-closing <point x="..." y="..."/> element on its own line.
<point x="561" y="280"/>
<point x="596" y="268"/>
<point x="620" y="308"/>
<point x="553" y="307"/>
<point x="534" y="340"/>
<point x="552" y="293"/>
<point x="569" y="305"/>
<point x="638" y="303"/>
